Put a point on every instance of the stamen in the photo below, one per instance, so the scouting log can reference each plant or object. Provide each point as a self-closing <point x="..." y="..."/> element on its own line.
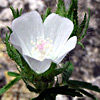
<point x="41" y="48"/>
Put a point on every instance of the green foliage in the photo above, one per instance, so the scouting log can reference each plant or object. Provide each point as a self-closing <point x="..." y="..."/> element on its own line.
<point x="17" y="57"/>
<point x="49" y="71"/>
<point x="80" y="86"/>
<point x="16" y="13"/>
<point x="72" y="14"/>
<point x="87" y="94"/>
<point x="57" y="72"/>
<point x="85" y="85"/>
<point x="12" y="52"/>
<point x="48" y="75"/>
<point x="9" y="85"/>
<point x="75" y="15"/>
<point x="10" y="30"/>
<point x="54" y="71"/>
<point x="81" y="44"/>
<point x="29" y="87"/>
<point x="83" y="28"/>
<point x="48" y="12"/>
<point x="70" y="11"/>
<point x="61" y="8"/>
<point x="13" y="74"/>
<point x="71" y="87"/>
<point x="86" y="27"/>
<point x="64" y="90"/>
<point x="67" y="72"/>
<point x="82" y="25"/>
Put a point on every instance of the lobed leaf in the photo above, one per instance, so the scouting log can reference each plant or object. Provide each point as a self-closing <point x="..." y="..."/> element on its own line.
<point x="61" y="8"/>
<point x="75" y="11"/>
<point x="72" y="14"/>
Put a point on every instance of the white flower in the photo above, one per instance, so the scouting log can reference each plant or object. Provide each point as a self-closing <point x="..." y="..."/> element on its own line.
<point x="42" y="43"/>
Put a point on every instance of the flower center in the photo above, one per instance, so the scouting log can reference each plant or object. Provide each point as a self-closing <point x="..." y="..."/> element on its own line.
<point x="41" y="48"/>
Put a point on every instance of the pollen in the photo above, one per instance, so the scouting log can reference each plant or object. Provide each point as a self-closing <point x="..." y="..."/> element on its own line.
<point x="41" y="48"/>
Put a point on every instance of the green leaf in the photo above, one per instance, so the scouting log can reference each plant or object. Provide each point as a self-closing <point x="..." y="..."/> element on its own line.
<point x="48" y="12"/>
<point x="86" y="27"/>
<point x="49" y="71"/>
<point x="13" y="74"/>
<point x="75" y="11"/>
<point x="20" y="12"/>
<point x="87" y="94"/>
<point x="13" y="54"/>
<point x="13" y="12"/>
<point x="81" y="44"/>
<point x="68" y="71"/>
<point x="74" y="33"/>
<point x="85" y="85"/>
<point x="81" y="26"/>
<point x="9" y="85"/>
<point x="72" y="14"/>
<point x="64" y="90"/>
<point x="61" y="8"/>
<point x="31" y="89"/>
<point x="56" y="72"/>
<point x="17" y="57"/>
<point x="70" y="10"/>
<point x="9" y="29"/>
<point x="16" y="13"/>
<point x="46" y="75"/>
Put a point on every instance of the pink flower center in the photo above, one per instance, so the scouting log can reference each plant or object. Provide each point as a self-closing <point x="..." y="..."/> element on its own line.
<point x="41" y="48"/>
<point x="41" y="45"/>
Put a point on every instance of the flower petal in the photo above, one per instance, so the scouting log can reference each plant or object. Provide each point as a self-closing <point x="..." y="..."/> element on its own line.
<point x="70" y="45"/>
<point x="28" y="27"/>
<point x="18" y="44"/>
<point x="38" y="66"/>
<point x="58" y="29"/>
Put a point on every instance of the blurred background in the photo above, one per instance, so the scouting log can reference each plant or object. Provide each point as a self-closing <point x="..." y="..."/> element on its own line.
<point x="86" y="61"/>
